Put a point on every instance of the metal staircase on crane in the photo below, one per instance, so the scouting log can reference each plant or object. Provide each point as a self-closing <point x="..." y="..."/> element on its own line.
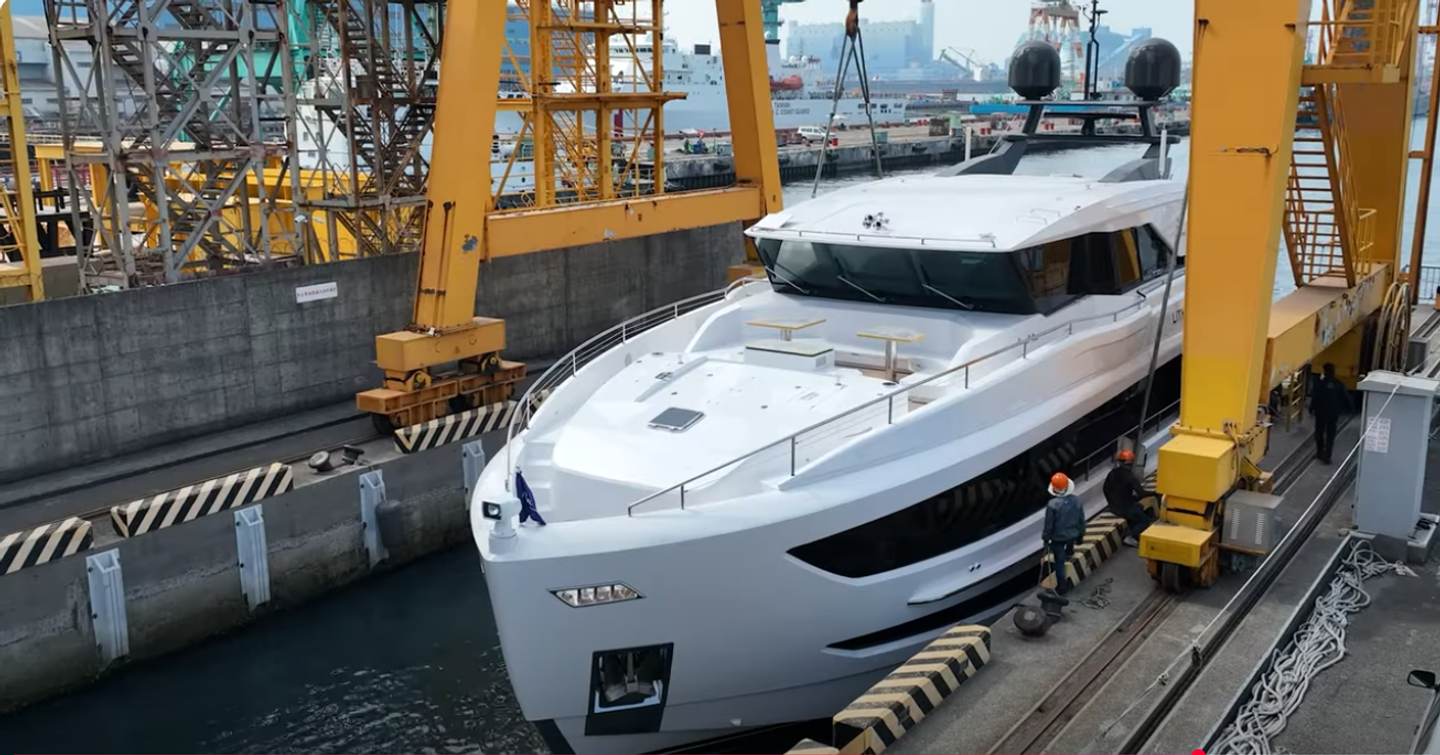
<point x="1328" y="233"/>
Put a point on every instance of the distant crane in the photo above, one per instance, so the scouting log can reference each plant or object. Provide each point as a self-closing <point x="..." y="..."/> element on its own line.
<point x="770" y="12"/>
<point x="965" y="60"/>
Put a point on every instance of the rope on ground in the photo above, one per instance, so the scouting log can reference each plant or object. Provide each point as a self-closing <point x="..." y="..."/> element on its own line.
<point x="1099" y="598"/>
<point x="1316" y="646"/>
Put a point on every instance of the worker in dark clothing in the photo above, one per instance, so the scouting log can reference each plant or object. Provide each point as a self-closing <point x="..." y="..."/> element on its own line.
<point x="1064" y="526"/>
<point x="1123" y="493"/>
<point x="1329" y="400"/>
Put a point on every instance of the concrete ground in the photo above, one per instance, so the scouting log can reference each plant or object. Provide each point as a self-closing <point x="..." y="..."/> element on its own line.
<point x="1361" y="704"/>
<point x="1023" y="671"/>
<point x="45" y="498"/>
<point x="77" y="492"/>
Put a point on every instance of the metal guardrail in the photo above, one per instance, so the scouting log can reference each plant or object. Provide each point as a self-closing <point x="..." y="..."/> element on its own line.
<point x="830" y="427"/>
<point x="1428" y="282"/>
<point x="1107" y="452"/>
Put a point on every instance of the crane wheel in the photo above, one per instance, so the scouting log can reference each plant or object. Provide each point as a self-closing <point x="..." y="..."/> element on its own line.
<point x="1172" y="578"/>
<point x="383" y="424"/>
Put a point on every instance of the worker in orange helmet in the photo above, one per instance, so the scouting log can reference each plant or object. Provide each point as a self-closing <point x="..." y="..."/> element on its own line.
<point x="1123" y="494"/>
<point x="1064" y="526"/>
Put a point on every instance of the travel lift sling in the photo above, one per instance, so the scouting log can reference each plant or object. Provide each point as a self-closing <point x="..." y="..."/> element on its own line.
<point x="1336" y="188"/>
<point x="463" y="227"/>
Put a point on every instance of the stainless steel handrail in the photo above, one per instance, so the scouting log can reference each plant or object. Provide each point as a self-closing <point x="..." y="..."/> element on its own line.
<point x="1427" y="282"/>
<point x="569" y="365"/>
<point x="888" y="399"/>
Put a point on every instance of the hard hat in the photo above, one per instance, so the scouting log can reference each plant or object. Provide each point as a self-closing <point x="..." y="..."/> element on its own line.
<point x="1060" y="484"/>
<point x="1126" y="455"/>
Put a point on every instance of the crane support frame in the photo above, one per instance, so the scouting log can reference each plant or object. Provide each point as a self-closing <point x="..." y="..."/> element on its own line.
<point x="1249" y="73"/>
<point x="1242" y="139"/>
<point x="465" y="225"/>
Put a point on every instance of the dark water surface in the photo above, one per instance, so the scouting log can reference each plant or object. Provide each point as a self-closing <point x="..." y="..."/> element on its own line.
<point x="406" y="662"/>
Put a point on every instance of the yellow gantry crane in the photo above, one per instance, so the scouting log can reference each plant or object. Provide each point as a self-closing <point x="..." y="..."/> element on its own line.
<point x="575" y="114"/>
<point x="20" y="265"/>
<point x="1315" y="152"/>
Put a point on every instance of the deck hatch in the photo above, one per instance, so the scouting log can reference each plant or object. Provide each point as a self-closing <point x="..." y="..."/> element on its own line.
<point x="676" y="420"/>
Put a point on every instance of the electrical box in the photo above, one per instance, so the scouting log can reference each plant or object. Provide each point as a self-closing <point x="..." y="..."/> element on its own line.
<point x="1252" y="522"/>
<point x="1395" y="428"/>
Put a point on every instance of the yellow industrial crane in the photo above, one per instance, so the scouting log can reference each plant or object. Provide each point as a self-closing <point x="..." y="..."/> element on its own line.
<point x="21" y="239"/>
<point x="449" y="359"/>
<point x="1335" y="187"/>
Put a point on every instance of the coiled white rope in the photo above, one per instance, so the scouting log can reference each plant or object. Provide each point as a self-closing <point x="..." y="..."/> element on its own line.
<point x="1316" y="646"/>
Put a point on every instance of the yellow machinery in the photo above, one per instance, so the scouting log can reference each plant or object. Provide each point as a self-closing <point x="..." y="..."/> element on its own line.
<point x="573" y="112"/>
<point x="1320" y="151"/>
<point x="17" y="204"/>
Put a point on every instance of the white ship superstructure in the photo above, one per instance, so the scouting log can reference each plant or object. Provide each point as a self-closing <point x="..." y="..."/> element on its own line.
<point x="799" y="98"/>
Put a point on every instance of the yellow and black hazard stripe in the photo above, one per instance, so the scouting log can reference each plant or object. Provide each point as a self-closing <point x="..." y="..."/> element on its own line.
<point x="1103" y="536"/>
<point x="903" y="698"/>
<point x="203" y="499"/>
<point x="811" y="747"/>
<point x="43" y="544"/>
<point x="454" y="427"/>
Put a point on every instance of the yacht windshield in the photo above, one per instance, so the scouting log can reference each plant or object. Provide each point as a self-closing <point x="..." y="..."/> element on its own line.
<point x="921" y="277"/>
<point x="1038" y="279"/>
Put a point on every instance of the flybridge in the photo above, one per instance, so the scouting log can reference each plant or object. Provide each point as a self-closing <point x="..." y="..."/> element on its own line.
<point x="1153" y="72"/>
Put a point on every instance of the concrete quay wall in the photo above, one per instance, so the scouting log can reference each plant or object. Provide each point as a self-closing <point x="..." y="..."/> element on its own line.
<point x="183" y="584"/>
<point x="89" y="378"/>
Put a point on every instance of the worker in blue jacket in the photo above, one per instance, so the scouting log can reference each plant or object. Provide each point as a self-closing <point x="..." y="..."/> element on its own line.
<point x="1064" y="526"/>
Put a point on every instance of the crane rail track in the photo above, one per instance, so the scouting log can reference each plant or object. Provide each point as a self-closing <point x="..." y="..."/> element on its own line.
<point x="1040" y="727"/>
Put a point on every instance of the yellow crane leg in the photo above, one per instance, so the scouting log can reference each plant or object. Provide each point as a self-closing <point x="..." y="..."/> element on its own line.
<point x="1248" y="60"/>
<point x="752" y="118"/>
<point x="28" y="272"/>
<point x="444" y="328"/>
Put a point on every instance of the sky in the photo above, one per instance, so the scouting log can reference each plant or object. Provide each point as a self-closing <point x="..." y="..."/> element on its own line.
<point x="990" y="27"/>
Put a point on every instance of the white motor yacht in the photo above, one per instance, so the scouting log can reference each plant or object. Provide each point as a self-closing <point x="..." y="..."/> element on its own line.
<point x="742" y="509"/>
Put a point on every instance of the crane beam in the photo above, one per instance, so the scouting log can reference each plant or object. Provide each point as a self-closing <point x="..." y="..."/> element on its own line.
<point x="510" y="234"/>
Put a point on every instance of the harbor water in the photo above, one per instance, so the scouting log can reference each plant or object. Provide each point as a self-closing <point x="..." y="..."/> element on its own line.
<point x="408" y="661"/>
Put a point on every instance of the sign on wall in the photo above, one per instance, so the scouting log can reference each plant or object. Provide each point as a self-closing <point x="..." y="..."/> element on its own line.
<point x="317" y="292"/>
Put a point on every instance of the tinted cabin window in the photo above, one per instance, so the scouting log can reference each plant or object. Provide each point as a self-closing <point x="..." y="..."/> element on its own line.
<point x="1040" y="279"/>
<point x="1127" y="259"/>
<point x="989" y="503"/>
<point x="1047" y="273"/>
<point x="886" y="273"/>
<point x="1153" y="253"/>
<point x="913" y="277"/>
<point x="1093" y="264"/>
<point x="990" y="282"/>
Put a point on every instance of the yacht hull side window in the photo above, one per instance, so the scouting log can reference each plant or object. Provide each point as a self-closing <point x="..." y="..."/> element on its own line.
<point x="997" y="499"/>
